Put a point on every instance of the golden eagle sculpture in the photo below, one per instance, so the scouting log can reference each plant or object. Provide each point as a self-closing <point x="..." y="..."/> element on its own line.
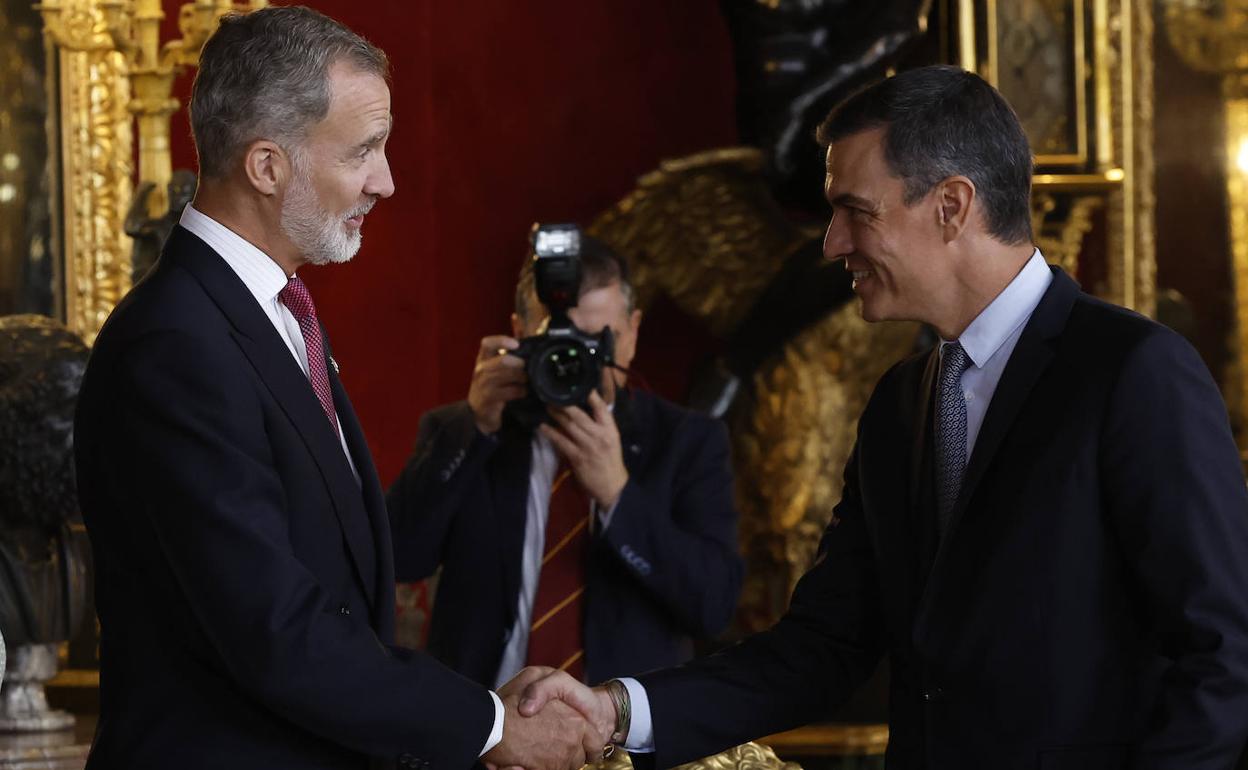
<point x="706" y="232"/>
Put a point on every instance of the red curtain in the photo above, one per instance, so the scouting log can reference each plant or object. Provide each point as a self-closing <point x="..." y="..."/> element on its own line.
<point x="506" y="112"/>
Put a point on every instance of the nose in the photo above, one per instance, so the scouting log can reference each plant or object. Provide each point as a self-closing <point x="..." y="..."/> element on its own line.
<point x="379" y="182"/>
<point x="837" y="243"/>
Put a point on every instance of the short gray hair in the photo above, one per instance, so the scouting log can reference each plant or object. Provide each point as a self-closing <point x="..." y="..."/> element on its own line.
<point x="265" y="75"/>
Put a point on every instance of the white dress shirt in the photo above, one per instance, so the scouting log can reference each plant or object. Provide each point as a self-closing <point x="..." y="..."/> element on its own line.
<point x="265" y="279"/>
<point x="989" y="341"/>
<point x="541" y="476"/>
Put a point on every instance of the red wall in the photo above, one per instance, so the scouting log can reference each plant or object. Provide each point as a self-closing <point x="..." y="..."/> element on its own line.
<point x="506" y="112"/>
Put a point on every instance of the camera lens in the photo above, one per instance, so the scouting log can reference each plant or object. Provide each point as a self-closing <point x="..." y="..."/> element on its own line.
<point x="564" y="373"/>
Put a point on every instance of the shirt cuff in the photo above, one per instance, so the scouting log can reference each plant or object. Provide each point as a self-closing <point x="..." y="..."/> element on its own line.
<point x="496" y="735"/>
<point x="604" y="515"/>
<point x="640" y="738"/>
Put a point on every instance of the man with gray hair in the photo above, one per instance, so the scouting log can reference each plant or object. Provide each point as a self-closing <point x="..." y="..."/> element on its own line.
<point x="244" y="570"/>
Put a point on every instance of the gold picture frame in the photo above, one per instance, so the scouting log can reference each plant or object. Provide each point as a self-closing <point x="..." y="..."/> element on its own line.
<point x="1107" y="166"/>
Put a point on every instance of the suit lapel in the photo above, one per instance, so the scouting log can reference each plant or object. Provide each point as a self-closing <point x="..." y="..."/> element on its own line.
<point x="512" y="465"/>
<point x="382" y="594"/>
<point x="633" y="419"/>
<point x="890" y="449"/>
<point x="922" y="408"/>
<point x="266" y="351"/>
<point x="1032" y="355"/>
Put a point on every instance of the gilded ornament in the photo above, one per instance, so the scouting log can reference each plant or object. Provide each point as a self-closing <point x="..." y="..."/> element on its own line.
<point x="1213" y="37"/>
<point x="113" y="69"/>
<point x="747" y="756"/>
<point x="706" y="232"/>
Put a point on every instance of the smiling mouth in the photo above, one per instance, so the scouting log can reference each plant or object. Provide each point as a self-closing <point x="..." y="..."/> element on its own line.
<point x="860" y="276"/>
<point x="356" y="218"/>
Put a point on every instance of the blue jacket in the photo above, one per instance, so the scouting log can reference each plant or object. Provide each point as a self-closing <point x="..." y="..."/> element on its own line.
<point x="665" y="571"/>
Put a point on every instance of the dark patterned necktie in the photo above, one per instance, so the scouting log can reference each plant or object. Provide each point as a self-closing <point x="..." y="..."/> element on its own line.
<point x="950" y="431"/>
<point x="556" y="637"/>
<point x="298" y="300"/>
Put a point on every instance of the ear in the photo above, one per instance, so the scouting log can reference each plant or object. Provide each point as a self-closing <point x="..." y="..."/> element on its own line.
<point x="626" y="346"/>
<point x="267" y="166"/>
<point x="954" y="197"/>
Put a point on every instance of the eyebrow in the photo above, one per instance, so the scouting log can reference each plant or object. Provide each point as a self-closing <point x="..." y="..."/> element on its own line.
<point x="849" y="200"/>
<point x="378" y="136"/>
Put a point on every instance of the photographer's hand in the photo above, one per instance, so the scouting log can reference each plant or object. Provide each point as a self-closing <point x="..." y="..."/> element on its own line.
<point x="497" y="379"/>
<point x="591" y="445"/>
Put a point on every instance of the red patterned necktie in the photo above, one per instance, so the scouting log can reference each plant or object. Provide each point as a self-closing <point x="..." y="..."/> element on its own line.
<point x="296" y="298"/>
<point x="556" y="637"/>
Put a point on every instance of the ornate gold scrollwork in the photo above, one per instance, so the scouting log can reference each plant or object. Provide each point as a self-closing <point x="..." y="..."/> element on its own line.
<point x="1085" y="91"/>
<point x="790" y="450"/>
<point x="747" y="756"/>
<point x="112" y="65"/>
<point x="95" y="146"/>
<point x="705" y="231"/>
<point x="1060" y="226"/>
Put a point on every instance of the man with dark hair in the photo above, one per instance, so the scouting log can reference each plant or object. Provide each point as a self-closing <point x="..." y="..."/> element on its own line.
<point x="603" y="543"/>
<point x="1044" y="523"/>
<point x="244" y="579"/>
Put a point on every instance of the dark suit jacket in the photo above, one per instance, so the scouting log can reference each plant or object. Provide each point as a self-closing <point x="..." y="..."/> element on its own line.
<point x="244" y="577"/>
<point x="1088" y="607"/>
<point x="667" y="568"/>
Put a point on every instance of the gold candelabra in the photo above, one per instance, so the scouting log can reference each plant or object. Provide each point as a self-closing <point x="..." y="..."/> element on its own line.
<point x="133" y="27"/>
<point x="113" y="70"/>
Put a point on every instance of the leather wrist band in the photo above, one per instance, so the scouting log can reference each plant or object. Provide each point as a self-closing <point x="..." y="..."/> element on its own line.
<point x="623" y="710"/>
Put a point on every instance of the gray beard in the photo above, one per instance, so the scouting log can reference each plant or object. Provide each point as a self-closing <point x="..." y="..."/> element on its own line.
<point x="319" y="236"/>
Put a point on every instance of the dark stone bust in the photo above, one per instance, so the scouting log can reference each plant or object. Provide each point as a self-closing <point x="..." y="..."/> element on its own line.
<point x="42" y="569"/>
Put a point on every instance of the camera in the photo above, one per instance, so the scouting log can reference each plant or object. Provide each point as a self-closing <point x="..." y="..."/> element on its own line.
<point x="564" y="364"/>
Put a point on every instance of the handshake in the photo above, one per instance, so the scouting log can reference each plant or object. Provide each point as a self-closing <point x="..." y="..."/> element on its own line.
<point x="553" y="722"/>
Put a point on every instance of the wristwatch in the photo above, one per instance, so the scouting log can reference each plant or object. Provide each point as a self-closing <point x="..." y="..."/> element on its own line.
<point x="623" y="715"/>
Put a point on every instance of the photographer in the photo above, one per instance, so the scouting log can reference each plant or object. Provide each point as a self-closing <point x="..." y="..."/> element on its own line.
<point x="602" y="542"/>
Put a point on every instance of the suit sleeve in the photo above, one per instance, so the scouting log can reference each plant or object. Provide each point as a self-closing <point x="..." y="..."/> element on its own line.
<point x="449" y="457"/>
<point x="681" y="543"/>
<point x="1175" y="490"/>
<point x="823" y="648"/>
<point x="200" y="473"/>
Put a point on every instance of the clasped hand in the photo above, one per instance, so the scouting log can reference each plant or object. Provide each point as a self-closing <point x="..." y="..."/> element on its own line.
<point x="552" y="722"/>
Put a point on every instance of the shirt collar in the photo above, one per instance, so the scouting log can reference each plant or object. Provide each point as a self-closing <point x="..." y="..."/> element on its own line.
<point x="263" y="277"/>
<point x="1010" y="310"/>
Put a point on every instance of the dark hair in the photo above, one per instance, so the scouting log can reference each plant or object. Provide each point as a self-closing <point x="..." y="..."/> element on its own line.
<point x="265" y="75"/>
<point x="942" y="121"/>
<point x="600" y="266"/>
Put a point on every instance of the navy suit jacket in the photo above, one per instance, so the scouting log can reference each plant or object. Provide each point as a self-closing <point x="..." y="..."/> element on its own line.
<point x="1088" y="606"/>
<point x="666" y="570"/>
<point x="244" y="579"/>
